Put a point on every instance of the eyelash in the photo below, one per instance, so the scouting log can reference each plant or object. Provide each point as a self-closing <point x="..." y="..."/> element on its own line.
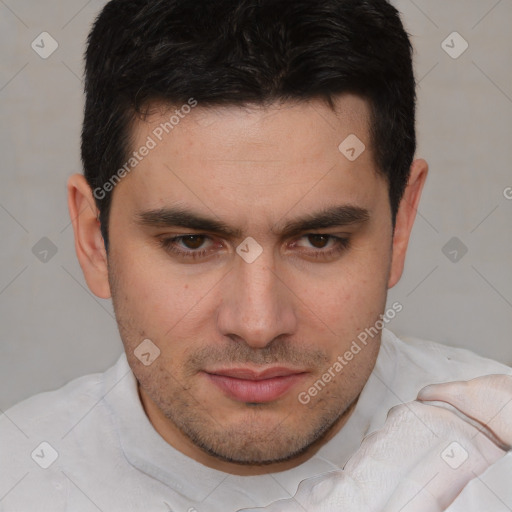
<point x="169" y="244"/>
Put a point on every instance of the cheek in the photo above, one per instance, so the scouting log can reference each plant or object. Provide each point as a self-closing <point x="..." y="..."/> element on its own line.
<point x="360" y="301"/>
<point x="160" y="299"/>
<point x="353" y="292"/>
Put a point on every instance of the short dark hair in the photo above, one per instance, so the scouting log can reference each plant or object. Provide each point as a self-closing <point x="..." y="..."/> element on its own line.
<point x="242" y="52"/>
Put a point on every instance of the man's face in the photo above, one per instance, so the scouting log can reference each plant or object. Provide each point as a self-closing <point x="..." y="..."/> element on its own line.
<point x="242" y="334"/>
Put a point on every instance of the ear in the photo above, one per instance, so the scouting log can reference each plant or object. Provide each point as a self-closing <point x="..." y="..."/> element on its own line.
<point x="89" y="245"/>
<point x="405" y="218"/>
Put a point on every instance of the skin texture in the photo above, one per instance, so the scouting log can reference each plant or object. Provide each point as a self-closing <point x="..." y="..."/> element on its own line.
<point x="255" y="169"/>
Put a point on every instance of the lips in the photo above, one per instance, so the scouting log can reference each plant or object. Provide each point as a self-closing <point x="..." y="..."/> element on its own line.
<point x="252" y="386"/>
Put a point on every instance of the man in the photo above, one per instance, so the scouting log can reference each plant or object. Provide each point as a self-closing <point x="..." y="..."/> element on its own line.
<point x="248" y="194"/>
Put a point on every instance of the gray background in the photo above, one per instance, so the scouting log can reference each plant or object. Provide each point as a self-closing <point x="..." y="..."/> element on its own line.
<point x="53" y="329"/>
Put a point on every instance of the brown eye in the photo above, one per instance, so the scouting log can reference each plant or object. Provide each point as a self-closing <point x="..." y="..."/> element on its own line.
<point x="323" y="246"/>
<point x="192" y="241"/>
<point x="187" y="246"/>
<point x="197" y="247"/>
<point x="319" y="241"/>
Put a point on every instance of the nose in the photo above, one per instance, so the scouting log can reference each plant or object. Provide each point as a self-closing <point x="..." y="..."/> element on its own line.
<point x="257" y="303"/>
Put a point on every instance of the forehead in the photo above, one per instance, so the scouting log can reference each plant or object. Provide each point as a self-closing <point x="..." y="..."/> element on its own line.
<point x="254" y="158"/>
<point x="286" y="129"/>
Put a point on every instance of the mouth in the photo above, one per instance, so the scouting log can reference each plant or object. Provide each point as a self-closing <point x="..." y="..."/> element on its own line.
<point x="251" y="386"/>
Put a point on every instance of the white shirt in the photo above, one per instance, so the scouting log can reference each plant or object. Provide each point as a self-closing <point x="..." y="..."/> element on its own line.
<point x="100" y="452"/>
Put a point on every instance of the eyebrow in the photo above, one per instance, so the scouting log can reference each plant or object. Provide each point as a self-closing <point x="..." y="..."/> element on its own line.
<point x="335" y="216"/>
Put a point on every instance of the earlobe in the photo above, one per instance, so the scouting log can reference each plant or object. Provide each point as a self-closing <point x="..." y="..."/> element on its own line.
<point x="405" y="218"/>
<point x="89" y="246"/>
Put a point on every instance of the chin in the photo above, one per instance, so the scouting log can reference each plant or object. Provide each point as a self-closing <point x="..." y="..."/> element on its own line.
<point x="239" y="445"/>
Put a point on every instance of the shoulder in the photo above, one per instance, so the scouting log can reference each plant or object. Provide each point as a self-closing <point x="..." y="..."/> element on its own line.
<point x="47" y="434"/>
<point x="405" y="366"/>
<point x="54" y="408"/>
<point x="436" y="361"/>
